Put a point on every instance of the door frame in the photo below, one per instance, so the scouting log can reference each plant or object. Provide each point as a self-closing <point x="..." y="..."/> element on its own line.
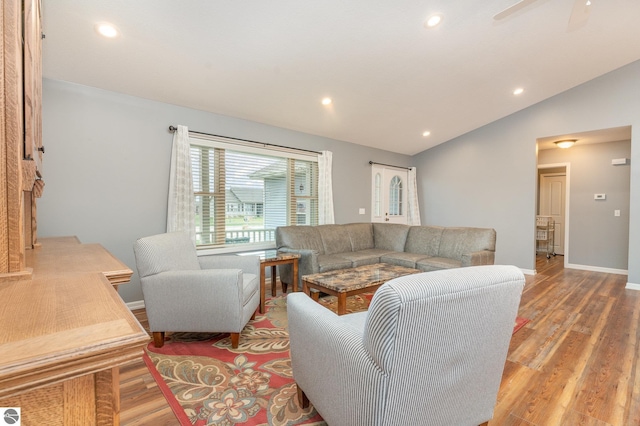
<point x="567" y="168"/>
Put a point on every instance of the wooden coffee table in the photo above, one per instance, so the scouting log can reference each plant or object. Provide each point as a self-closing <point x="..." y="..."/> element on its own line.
<point x="348" y="282"/>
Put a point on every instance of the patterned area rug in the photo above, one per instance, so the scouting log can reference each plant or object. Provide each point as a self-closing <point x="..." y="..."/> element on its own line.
<point x="206" y="382"/>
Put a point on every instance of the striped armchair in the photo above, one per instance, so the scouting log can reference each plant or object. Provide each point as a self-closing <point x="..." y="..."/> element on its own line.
<point x="430" y="350"/>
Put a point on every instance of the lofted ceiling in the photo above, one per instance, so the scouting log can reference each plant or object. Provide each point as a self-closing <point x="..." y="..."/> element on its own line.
<point x="390" y="78"/>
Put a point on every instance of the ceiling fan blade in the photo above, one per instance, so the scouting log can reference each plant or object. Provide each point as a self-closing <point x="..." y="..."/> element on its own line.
<point x="513" y="9"/>
<point x="579" y="14"/>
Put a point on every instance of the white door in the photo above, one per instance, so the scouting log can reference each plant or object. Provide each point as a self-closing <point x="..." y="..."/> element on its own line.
<point x="389" y="194"/>
<point x="552" y="203"/>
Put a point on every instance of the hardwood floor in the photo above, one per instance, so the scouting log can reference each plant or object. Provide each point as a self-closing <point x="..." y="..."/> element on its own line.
<point x="575" y="363"/>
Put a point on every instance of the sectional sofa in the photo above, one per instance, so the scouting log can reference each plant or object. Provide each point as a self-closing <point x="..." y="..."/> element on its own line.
<point x="428" y="248"/>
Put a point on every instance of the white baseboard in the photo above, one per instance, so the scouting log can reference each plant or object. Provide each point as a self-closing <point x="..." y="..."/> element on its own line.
<point x="528" y="271"/>
<point x="597" y="269"/>
<point x="632" y="286"/>
<point x="138" y="304"/>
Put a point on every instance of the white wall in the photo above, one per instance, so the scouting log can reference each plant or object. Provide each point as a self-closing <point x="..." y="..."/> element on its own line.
<point x="106" y="166"/>
<point x="488" y="177"/>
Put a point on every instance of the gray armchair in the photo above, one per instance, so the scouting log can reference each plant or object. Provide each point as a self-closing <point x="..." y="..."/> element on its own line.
<point x="184" y="292"/>
<point x="430" y="350"/>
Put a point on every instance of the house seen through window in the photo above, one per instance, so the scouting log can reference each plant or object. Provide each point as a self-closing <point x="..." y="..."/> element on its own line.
<point x="243" y="193"/>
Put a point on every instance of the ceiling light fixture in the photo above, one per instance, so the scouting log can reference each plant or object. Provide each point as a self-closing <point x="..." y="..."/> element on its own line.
<point x="326" y="101"/>
<point x="106" y="30"/>
<point x="433" y="20"/>
<point x="425" y="134"/>
<point x="566" y="143"/>
<point x="518" y="91"/>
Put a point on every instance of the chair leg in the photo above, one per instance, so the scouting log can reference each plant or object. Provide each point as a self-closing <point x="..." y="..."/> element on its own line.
<point x="284" y="286"/>
<point x="158" y="339"/>
<point x="484" y="424"/>
<point x="302" y="398"/>
<point x="254" y="314"/>
<point x="235" y="339"/>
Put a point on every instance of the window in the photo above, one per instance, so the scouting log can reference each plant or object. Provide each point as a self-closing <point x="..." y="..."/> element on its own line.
<point x="243" y="193"/>
<point x="395" y="196"/>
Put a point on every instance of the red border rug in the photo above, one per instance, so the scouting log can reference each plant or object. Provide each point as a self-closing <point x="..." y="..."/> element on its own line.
<point x="206" y="382"/>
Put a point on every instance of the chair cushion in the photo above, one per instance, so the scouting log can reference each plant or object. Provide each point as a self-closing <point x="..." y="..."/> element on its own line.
<point x="173" y="251"/>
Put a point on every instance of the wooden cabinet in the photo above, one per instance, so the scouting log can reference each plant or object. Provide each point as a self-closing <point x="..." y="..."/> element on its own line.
<point x="20" y="132"/>
<point x="65" y="332"/>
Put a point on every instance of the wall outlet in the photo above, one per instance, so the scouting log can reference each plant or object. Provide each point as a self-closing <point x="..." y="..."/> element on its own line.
<point x="599" y="196"/>
<point x="616" y="212"/>
<point x="361" y="210"/>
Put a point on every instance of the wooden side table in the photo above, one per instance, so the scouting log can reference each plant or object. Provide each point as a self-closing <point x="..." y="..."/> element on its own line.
<point x="273" y="261"/>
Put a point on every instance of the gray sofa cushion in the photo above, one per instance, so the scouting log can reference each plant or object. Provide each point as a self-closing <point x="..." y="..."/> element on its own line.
<point x="331" y="262"/>
<point x="363" y="257"/>
<point x="390" y="236"/>
<point x="437" y="263"/>
<point x="361" y="236"/>
<point x="424" y="240"/>
<point x="408" y="260"/>
<point x="457" y="241"/>
<point x="300" y="237"/>
<point x="334" y="239"/>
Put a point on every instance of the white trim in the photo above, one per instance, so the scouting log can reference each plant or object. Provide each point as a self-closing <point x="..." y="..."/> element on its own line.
<point x="138" y="304"/>
<point x="528" y="271"/>
<point x="597" y="269"/>
<point x="632" y="286"/>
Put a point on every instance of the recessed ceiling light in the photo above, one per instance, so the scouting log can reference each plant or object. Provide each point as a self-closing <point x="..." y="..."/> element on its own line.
<point x="433" y="20"/>
<point x="518" y="91"/>
<point x="426" y="133"/>
<point x="106" y="30"/>
<point x="326" y="101"/>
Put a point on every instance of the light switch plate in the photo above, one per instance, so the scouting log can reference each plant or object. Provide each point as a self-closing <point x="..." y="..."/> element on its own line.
<point x="599" y="196"/>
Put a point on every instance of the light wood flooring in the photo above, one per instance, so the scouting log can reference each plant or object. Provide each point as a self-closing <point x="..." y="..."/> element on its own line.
<point x="575" y="363"/>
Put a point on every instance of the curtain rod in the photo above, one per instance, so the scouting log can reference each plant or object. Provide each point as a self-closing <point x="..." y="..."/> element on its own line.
<point x="389" y="165"/>
<point x="173" y="129"/>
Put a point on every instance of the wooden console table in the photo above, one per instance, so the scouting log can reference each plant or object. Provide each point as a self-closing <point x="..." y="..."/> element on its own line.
<point x="65" y="332"/>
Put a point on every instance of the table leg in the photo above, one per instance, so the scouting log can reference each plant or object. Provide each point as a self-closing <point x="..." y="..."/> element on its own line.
<point x="342" y="303"/>
<point x="295" y="275"/>
<point x="262" y="289"/>
<point x="273" y="281"/>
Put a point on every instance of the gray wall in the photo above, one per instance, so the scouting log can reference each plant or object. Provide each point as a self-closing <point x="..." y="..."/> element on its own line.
<point x="596" y="236"/>
<point x="488" y="177"/>
<point x="106" y="166"/>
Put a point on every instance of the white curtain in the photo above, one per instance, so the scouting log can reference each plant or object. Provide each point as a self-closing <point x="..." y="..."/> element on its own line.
<point x="413" y="210"/>
<point x="325" y="190"/>
<point x="181" y="206"/>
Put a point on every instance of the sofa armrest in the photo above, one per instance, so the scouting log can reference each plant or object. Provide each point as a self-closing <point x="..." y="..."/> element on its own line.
<point x="307" y="264"/>
<point x="325" y="350"/>
<point x="476" y="258"/>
